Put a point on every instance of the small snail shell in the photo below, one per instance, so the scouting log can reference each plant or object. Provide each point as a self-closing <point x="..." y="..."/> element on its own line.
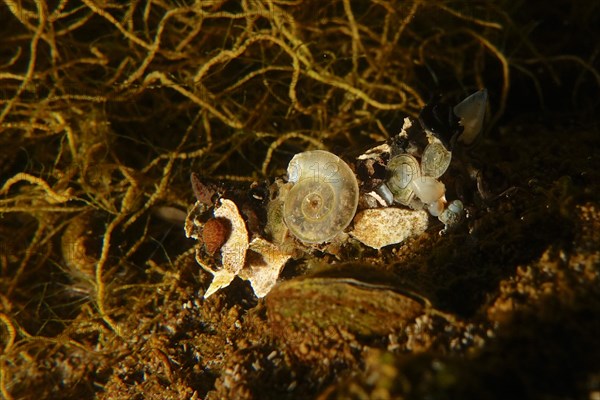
<point x="435" y="159"/>
<point x="323" y="199"/>
<point x="428" y="189"/>
<point x="453" y="214"/>
<point x="215" y="233"/>
<point x="471" y="112"/>
<point x="403" y="169"/>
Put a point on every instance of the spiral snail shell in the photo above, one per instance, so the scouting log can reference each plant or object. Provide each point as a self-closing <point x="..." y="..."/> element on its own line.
<point x="453" y="214"/>
<point x="435" y="160"/>
<point x="323" y="198"/>
<point x="403" y="169"/>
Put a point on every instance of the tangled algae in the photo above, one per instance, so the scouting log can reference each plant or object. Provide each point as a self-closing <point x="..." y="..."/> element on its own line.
<point x="106" y="107"/>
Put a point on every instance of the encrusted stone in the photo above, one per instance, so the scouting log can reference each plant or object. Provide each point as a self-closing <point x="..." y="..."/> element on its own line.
<point x="380" y="227"/>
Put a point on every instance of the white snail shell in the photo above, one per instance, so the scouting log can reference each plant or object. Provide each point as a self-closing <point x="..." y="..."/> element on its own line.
<point x="435" y="160"/>
<point x="323" y="199"/>
<point x="428" y="189"/>
<point x="403" y="169"/>
<point x="471" y="112"/>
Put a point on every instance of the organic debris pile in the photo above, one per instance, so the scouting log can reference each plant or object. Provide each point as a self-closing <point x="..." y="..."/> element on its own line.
<point x="107" y="107"/>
